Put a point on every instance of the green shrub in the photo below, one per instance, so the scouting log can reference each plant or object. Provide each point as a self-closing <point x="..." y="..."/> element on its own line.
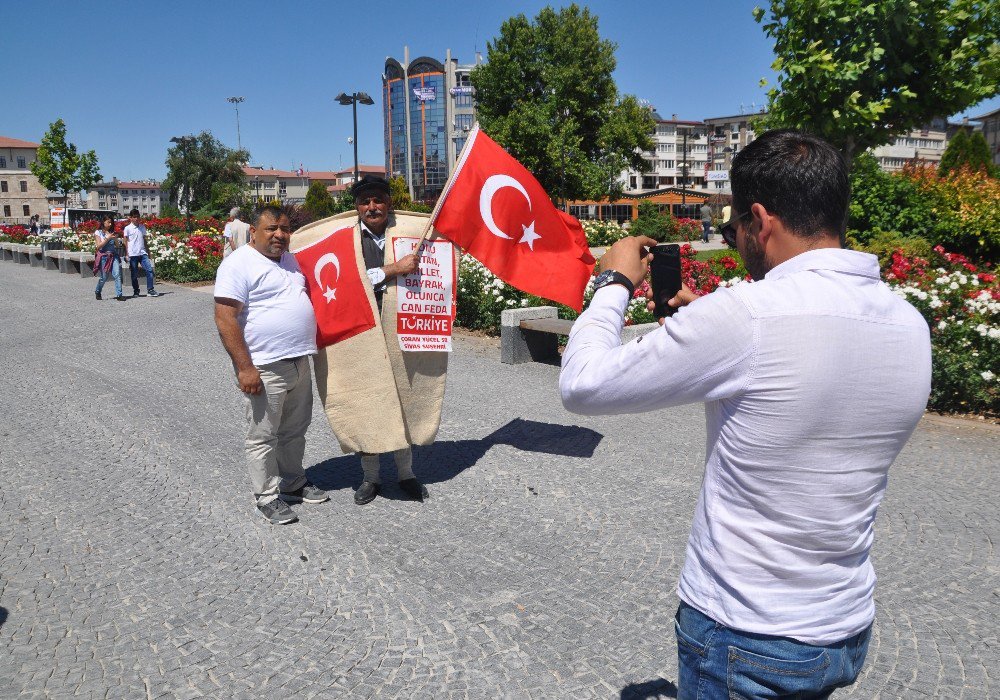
<point x="882" y="244"/>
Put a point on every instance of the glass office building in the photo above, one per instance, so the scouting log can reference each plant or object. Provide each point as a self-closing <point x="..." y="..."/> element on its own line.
<point x="428" y="112"/>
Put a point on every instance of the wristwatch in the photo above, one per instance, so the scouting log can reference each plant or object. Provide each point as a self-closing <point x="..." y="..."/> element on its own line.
<point x="614" y="277"/>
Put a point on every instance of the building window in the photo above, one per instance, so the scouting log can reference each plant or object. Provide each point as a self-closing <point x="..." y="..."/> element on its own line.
<point x="102" y="205"/>
<point x="20" y="162"/>
<point x="3" y="162"/>
<point x="24" y="185"/>
<point x="3" y="185"/>
<point x="6" y="210"/>
<point x="26" y="209"/>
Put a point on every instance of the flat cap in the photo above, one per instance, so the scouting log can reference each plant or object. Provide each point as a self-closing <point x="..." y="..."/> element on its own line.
<point x="369" y="184"/>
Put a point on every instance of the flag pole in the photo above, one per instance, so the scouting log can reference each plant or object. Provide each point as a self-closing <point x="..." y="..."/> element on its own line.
<point x="447" y="186"/>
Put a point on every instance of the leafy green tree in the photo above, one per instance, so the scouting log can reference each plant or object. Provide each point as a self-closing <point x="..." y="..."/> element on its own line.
<point x="858" y="72"/>
<point x="400" y="193"/>
<point x="649" y="221"/>
<point x="198" y="163"/>
<point x="886" y="202"/>
<point x="547" y="95"/>
<point x="318" y="202"/>
<point x="968" y="150"/>
<point x="58" y="165"/>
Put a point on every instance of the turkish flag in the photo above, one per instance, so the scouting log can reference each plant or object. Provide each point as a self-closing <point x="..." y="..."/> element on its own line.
<point x="498" y="212"/>
<point x="336" y="290"/>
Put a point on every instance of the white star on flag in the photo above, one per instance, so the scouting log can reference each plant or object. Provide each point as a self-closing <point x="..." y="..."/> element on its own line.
<point x="529" y="236"/>
<point x="330" y="294"/>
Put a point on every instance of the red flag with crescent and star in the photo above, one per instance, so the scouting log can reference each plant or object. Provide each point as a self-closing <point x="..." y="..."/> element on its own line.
<point x="499" y="213"/>
<point x="336" y="290"/>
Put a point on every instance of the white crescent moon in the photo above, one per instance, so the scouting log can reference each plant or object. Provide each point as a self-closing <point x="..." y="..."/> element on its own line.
<point x="490" y="188"/>
<point x="326" y="259"/>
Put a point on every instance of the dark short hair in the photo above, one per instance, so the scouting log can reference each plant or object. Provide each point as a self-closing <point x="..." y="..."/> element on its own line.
<point x="798" y="177"/>
<point x="271" y="211"/>
<point x="134" y="212"/>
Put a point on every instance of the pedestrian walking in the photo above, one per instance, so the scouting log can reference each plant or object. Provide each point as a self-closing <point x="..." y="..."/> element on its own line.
<point x="267" y="325"/>
<point x="235" y="233"/>
<point x="813" y="378"/>
<point x="706" y="222"/>
<point x="138" y="255"/>
<point x="106" y="259"/>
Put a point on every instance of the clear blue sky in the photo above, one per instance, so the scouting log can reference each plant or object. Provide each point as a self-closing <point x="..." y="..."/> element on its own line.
<point x="167" y="67"/>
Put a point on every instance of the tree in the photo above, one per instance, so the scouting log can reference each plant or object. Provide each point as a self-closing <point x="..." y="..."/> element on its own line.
<point x="59" y="167"/>
<point x="401" y="197"/>
<point x="966" y="150"/>
<point x="859" y="72"/>
<point x="198" y="163"/>
<point x="546" y="95"/>
<point x="318" y="202"/>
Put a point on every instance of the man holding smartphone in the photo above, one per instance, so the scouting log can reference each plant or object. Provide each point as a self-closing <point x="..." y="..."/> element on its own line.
<point x="813" y="379"/>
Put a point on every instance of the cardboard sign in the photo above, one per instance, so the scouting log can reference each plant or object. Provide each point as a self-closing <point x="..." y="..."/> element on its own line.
<point x="425" y="299"/>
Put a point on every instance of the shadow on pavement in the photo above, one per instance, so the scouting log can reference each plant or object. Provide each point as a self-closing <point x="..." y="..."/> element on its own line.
<point x="445" y="460"/>
<point x="3" y="616"/>
<point x="649" y="690"/>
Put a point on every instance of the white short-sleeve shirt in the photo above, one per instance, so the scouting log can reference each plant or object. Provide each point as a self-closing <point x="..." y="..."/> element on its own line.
<point x="136" y="237"/>
<point x="277" y="317"/>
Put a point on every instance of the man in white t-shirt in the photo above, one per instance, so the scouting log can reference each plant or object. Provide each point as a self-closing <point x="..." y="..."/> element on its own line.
<point x="813" y="378"/>
<point x="137" y="255"/>
<point x="267" y="326"/>
<point x="236" y="232"/>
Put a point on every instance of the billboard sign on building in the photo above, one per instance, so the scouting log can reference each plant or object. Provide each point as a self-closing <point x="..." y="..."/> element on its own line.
<point x="424" y="94"/>
<point x="461" y="90"/>
<point x="718" y="175"/>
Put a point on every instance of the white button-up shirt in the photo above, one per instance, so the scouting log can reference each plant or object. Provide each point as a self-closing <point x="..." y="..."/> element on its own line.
<point x="813" y="380"/>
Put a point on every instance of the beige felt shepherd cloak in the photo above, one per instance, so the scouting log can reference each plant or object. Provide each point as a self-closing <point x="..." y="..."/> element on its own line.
<point x="376" y="397"/>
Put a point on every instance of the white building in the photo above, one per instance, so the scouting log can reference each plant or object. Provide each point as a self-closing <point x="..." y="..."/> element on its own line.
<point x="121" y="197"/>
<point x="266" y="184"/>
<point x="679" y="157"/>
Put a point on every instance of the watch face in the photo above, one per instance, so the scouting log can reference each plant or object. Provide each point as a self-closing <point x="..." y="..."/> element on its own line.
<point x="603" y="278"/>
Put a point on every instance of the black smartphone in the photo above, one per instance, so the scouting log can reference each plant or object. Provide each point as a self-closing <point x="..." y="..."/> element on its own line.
<point x="665" y="275"/>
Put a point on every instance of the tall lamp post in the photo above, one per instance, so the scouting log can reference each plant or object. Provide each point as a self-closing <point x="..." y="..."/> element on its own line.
<point x="184" y="142"/>
<point x="353" y="99"/>
<point x="235" y="102"/>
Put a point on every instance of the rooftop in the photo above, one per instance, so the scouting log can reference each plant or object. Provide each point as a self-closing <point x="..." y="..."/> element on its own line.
<point x="8" y="142"/>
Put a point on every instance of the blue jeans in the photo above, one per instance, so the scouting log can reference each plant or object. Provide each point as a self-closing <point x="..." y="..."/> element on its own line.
<point x="116" y="273"/>
<point x="717" y="662"/>
<point x="133" y="266"/>
<point x="706" y="229"/>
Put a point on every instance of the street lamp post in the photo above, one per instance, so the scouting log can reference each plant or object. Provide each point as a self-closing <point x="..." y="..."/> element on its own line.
<point x="184" y="142"/>
<point x="353" y="99"/>
<point x="235" y="101"/>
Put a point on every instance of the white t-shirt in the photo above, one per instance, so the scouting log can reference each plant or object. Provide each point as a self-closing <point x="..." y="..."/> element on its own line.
<point x="277" y="318"/>
<point x="136" y="237"/>
<point x="237" y="230"/>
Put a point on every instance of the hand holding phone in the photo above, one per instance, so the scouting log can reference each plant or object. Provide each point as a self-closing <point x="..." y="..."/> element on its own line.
<point x="665" y="275"/>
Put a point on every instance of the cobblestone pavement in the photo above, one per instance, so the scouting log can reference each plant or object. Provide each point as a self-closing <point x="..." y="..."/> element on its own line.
<point x="544" y="565"/>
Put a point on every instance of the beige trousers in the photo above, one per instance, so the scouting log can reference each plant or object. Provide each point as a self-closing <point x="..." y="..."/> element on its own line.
<point x="277" y="419"/>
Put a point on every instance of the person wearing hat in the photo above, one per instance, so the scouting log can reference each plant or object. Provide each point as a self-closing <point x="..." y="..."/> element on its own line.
<point x="374" y="204"/>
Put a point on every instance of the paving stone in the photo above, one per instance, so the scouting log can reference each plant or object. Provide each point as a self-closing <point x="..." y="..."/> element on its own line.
<point x="543" y="566"/>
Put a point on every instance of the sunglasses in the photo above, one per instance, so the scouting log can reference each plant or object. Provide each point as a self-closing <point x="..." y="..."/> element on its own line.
<point x="728" y="230"/>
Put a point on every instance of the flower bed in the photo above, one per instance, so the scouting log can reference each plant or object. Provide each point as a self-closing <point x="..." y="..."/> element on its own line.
<point x="961" y="304"/>
<point x="13" y="234"/>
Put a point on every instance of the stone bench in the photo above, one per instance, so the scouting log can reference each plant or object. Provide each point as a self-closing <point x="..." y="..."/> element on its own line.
<point x="532" y="334"/>
<point x="6" y="252"/>
<point x="22" y="252"/>
<point x="76" y="263"/>
<point x="51" y="259"/>
<point x="34" y="255"/>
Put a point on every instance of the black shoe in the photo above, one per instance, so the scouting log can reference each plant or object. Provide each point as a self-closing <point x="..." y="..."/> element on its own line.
<point x="308" y="493"/>
<point x="135" y="294"/>
<point x="366" y="493"/>
<point x="97" y="295"/>
<point x="152" y="293"/>
<point x="414" y="489"/>
<point x="120" y="298"/>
